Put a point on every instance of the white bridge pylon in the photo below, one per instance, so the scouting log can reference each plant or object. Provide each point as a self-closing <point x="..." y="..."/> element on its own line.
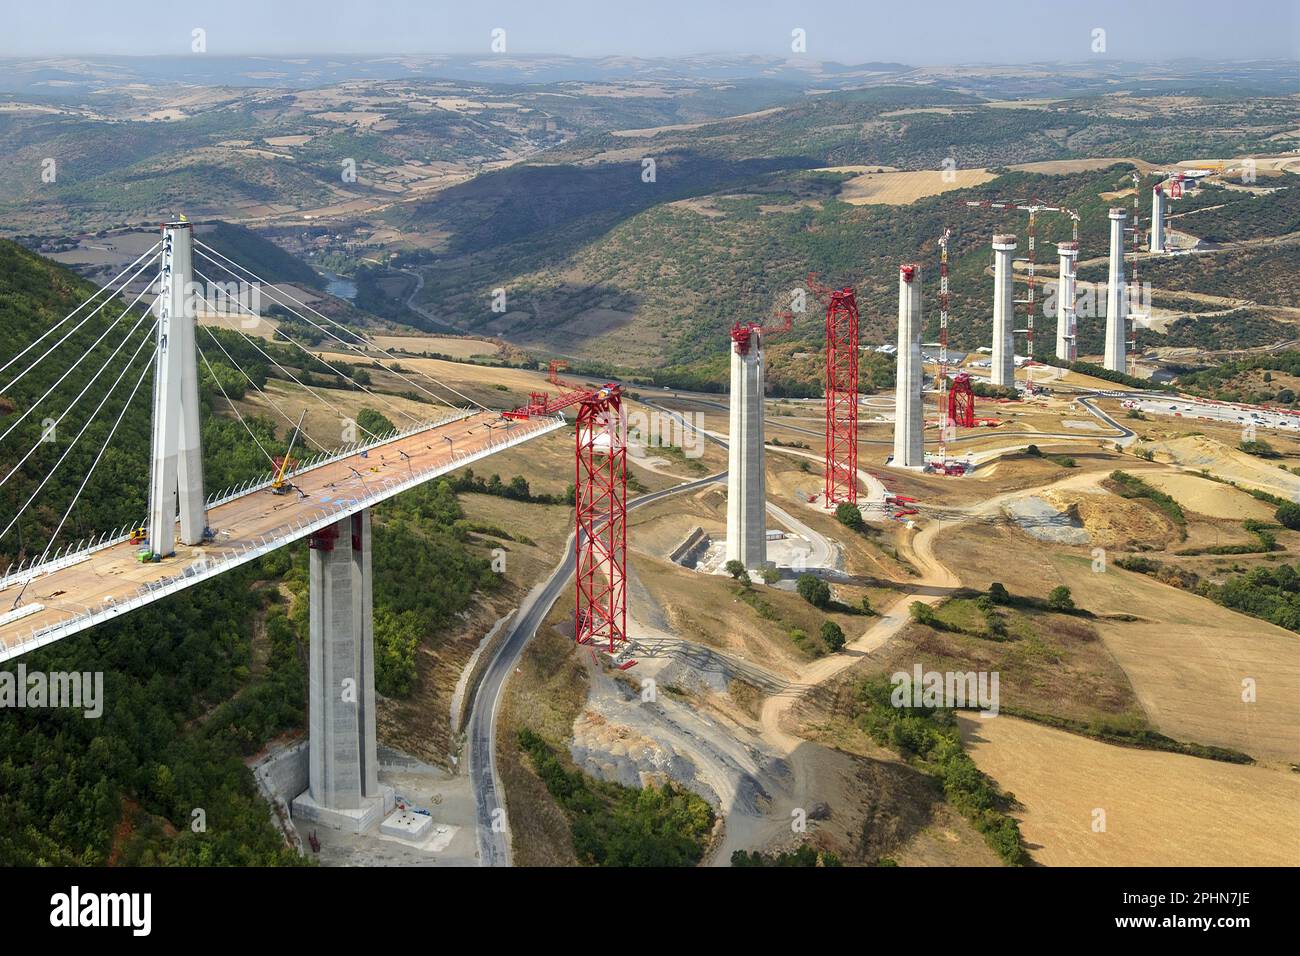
<point x="176" y="472"/>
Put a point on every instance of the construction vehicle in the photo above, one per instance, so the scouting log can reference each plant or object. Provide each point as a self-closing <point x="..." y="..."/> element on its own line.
<point x="282" y="464"/>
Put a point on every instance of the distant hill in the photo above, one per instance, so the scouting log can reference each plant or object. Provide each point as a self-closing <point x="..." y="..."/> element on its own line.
<point x="262" y="256"/>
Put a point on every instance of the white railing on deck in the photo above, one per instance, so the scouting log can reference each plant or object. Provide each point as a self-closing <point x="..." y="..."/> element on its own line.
<point x="212" y="564"/>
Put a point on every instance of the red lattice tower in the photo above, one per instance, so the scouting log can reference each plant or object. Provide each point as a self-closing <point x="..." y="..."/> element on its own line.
<point x="961" y="402"/>
<point x="841" y="397"/>
<point x="945" y="299"/>
<point x="600" y="492"/>
<point x="1131" y="281"/>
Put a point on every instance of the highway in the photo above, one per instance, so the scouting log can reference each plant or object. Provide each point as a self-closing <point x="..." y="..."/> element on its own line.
<point x="493" y="827"/>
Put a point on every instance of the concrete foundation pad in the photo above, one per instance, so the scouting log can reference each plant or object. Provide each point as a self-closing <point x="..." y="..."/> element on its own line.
<point x="407" y="824"/>
<point x="359" y="820"/>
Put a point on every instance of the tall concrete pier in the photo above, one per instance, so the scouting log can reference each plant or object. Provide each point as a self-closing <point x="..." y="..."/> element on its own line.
<point x="746" y="482"/>
<point x="1066" y="343"/>
<point x="343" y="772"/>
<point x="1003" y="369"/>
<point x="176" y="467"/>
<point x="1115" y="298"/>
<point x="1157" y="219"/>
<point x="909" y="407"/>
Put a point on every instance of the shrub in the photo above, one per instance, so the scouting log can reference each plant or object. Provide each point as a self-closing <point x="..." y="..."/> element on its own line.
<point x="850" y="516"/>
<point x="1059" y="599"/>
<point x="833" y="636"/>
<point x="921" y="613"/>
<point x="814" y="590"/>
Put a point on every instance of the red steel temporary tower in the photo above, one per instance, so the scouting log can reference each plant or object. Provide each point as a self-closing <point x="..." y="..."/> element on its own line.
<point x="841" y="397"/>
<point x="600" y="501"/>
<point x="961" y="402"/>
<point x="600" y="483"/>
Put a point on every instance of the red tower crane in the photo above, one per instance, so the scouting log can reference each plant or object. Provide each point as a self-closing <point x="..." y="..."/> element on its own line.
<point x="841" y="393"/>
<point x="600" y="504"/>
<point x="600" y="607"/>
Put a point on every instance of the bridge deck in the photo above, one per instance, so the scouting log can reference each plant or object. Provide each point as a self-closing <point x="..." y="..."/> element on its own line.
<point x="109" y="582"/>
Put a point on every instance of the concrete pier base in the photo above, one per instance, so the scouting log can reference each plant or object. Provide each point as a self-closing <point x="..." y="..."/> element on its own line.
<point x="343" y="788"/>
<point x="1066" y="333"/>
<point x="1157" y="219"/>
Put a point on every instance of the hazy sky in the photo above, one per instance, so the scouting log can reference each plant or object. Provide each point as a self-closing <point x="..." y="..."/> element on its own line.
<point x="928" y="31"/>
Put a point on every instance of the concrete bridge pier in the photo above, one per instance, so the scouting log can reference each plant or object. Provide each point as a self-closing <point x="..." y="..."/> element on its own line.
<point x="746" y="475"/>
<point x="343" y="774"/>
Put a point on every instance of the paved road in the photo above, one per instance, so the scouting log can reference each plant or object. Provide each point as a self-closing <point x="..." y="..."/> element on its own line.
<point x="494" y="841"/>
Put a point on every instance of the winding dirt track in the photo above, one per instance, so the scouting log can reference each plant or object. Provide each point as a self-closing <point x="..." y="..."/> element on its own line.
<point x="920" y="551"/>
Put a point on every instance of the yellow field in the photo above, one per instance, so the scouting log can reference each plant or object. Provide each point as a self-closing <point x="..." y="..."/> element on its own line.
<point x="1160" y="809"/>
<point x="1063" y="167"/>
<point x="455" y="346"/>
<point x="900" y="189"/>
<point x="1185" y="656"/>
<point x="1209" y="497"/>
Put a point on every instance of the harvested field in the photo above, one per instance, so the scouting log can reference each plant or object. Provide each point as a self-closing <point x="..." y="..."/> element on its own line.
<point x="1200" y="451"/>
<point x="901" y="189"/>
<point x="1185" y="656"/>
<point x="1160" y="809"/>
<point x="1207" y="497"/>
<point x="454" y="346"/>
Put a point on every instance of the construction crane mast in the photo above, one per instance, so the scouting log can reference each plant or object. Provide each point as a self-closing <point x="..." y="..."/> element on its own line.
<point x="941" y="383"/>
<point x="1131" y="350"/>
<point x="841" y="392"/>
<point x="600" y="505"/>
<point x="600" y="607"/>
